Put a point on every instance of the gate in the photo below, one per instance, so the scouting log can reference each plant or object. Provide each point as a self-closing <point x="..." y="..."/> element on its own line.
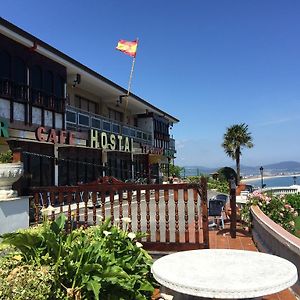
<point x="174" y="216"/>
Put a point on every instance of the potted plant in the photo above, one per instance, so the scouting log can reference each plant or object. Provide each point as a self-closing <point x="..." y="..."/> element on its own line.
<point x="10" y="172"/>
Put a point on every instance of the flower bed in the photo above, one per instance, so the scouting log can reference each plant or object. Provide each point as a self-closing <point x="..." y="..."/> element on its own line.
<point x="101" y="262"/>
<point x="282" y="209"/>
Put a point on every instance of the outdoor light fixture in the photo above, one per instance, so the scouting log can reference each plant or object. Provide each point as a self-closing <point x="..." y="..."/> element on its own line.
<point x="262" y="176"/>
<point x="295" y="179"/>
<point x="120" y="100"/>
<point x="77" y="80"/>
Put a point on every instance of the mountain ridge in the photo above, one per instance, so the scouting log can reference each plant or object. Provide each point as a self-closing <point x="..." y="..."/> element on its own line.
<point x="274" y="168"/>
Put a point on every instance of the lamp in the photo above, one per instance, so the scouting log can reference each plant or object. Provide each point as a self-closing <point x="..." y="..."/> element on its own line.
<point x="120" y="100"/>
<point x="262" y="176"/>
<point x="77" y="80"/>
<point x="295" y="179"/>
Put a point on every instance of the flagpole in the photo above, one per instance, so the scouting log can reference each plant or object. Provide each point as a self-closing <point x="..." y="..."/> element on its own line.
<point x="130" y="80"/>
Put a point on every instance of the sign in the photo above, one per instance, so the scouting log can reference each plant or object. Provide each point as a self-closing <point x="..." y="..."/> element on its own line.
<point x="3" y="129"/>
<point x="151" y="150"/>
<point x="103" y="140"/>
<point x="54" y="136"/>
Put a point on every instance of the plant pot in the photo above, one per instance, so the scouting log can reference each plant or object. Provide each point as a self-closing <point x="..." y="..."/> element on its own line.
<point x="9" y="173"/>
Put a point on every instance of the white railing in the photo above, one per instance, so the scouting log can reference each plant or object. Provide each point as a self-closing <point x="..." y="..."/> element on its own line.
<point x="293" y="189"/>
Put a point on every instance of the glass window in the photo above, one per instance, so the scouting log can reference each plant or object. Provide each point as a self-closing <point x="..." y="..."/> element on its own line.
<point x="19" y="72"/>
<point x="5" y="64"/>
<point x="83" y="120"/>
<point x="126" y="131"/>
<point x="106" y="126"/>
<point x="71" y="117"/>
<point x="96" y="123"/>
<point x="115" y="128"/>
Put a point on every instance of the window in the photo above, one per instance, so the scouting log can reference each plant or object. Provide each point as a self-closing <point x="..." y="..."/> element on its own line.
<point x="86" y="104"/>
<point x="71" y="117"/>
<point x="36" y="84"/>
<point x="20" y="79"/>
<point x="19" y="71"/>
<point x="5" y="65"/>
<point x="115" y="115"/>
<point x="48" y="100"/>
<point x="83" y="120"/>
<point x="96" y="123"/>
<point x="59" y="93"/>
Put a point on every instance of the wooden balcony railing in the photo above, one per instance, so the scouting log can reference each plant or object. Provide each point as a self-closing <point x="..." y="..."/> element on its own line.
<point x="174" y="216"/>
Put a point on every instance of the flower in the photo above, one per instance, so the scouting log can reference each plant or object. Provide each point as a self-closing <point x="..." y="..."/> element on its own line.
<point x="139" y="245"/>
<point x="131" y="235"/>
<point x="126" y="220"/>
<point x="106" y="233"/>
<point x="47" y="211"/>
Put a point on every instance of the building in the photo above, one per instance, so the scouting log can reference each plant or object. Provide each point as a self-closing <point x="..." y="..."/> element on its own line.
<point x="72" y="124"/>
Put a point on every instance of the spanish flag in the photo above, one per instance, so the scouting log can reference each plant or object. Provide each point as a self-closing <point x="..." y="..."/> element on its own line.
<point x="127" y="47"/>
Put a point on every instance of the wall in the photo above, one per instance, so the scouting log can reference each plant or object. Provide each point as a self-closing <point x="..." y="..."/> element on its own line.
<point x="272" y="238"/>
<point x="14" y="214"/>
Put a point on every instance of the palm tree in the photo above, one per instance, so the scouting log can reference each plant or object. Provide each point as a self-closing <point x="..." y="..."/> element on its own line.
<point x="236" y="138"/>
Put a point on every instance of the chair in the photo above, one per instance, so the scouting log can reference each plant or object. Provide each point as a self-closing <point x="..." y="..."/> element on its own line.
<point x="216" y="210"/>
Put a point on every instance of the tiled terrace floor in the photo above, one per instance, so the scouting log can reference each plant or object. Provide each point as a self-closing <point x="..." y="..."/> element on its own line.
<point x="243" y="241"/>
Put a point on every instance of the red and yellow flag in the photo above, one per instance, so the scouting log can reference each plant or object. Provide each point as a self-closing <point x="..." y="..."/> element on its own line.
<point x="127" y="47"/>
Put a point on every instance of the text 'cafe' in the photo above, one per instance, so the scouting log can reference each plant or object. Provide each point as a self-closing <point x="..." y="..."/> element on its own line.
<point x="62" y="157"/>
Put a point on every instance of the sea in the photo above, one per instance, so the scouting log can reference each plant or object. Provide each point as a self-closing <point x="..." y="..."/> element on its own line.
<point x="276" y="181"/>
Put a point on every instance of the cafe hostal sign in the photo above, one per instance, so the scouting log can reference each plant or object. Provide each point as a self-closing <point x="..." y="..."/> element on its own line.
<point x="110" y="141"/>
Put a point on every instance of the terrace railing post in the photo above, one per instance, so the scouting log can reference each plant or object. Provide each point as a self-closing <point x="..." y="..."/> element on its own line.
<point x="204" y="211"/>
<point x="232" y="187"/>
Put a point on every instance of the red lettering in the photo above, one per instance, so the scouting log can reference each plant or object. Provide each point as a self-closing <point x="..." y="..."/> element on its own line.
<point x="62" y="137"/>
<point x="39" y="134"/>
<point x="52" y="136"/>
<point x="71" y="138"/>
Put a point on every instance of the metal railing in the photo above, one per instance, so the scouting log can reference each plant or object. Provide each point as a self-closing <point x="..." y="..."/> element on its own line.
<point x="80" y="119"/>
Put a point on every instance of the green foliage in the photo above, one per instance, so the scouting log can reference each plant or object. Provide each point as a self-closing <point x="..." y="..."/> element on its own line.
<point x="235" y="138"/>
<point x="226" y="173"/>
<point x="101" y="262"/>
<point x="294" y="201"/>
<point x="277" y="208"/>
<point x="221" y="186"/>
<point x="6" y="157"/>
<point x="20" y="281"/>
<point x="212" y="184"/>
<point x="173" y="170"/>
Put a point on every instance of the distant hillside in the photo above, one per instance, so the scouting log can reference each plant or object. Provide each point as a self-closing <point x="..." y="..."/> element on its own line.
<point x="276" y="168"/>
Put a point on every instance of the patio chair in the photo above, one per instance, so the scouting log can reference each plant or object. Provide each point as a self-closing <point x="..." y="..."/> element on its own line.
<point x="216" y="210"/>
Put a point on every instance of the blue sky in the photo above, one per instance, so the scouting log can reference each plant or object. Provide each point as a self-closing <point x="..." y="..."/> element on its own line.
<point x="210" y="63"/>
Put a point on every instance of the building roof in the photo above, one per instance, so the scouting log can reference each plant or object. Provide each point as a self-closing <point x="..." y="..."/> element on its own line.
<point x="29" y="40"/>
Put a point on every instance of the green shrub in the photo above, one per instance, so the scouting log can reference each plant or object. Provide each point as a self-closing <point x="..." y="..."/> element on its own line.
<point x="19" y="281"/>
<point x="277" y="208"/>
<point x="102" y="262"/>
<point x="294" y="200"/>
<point x="6" y="157"/>
<point x="221" y="186"/>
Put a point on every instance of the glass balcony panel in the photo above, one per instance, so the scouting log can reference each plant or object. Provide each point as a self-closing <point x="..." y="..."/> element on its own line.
<point x="96" y="123"/>
<point x="116" y="128"/>
<point x="83" y="120"/>
<point x="106" y="126"/>
<point x="71" y="117"/>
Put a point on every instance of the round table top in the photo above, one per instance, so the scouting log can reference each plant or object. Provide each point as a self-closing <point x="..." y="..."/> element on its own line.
<point x="223" y="273"/>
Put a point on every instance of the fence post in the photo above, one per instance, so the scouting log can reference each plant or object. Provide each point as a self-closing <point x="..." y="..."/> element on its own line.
<point x="204" y="211"/>
<point x="232" y="187"/>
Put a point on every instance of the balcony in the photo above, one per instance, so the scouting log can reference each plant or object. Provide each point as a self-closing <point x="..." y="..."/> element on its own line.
<point x="79" y="120"/>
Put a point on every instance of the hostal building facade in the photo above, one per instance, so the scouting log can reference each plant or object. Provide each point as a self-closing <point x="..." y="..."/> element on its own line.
<point x="72" y="124"/>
